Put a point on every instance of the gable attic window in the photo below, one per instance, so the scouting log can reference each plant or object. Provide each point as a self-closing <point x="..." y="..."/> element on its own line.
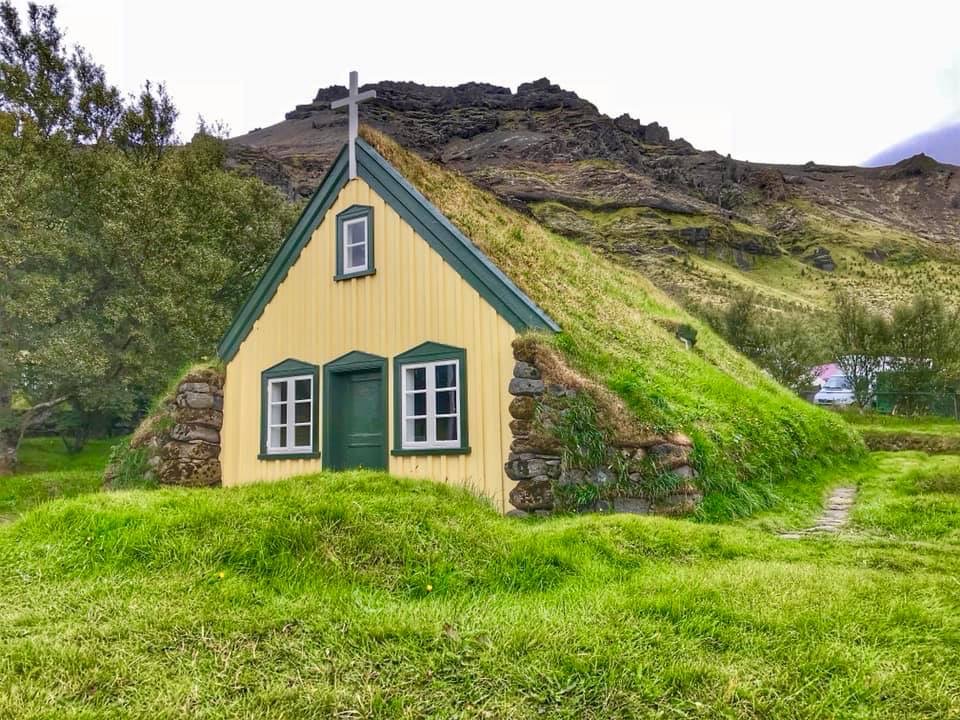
<point x="355" y="242"/>
<point x="430" y="401"/>
<point x="288" y="415"/>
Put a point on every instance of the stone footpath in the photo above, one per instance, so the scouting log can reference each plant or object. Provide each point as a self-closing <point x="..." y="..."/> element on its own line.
<point x="835" y="514"/>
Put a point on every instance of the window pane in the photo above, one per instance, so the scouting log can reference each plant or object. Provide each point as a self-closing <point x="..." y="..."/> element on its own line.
<point x="278" y="414"/>
<point x="356" y="232"/>
<point x="278" y="390"/>
<point x="278" y="437"/>
<point x="416" y="430"/>
<point x="301" y="436"/>
<point x="303" y="389"/>
<point x="302" y="413"/>
<point x="416" y="404"/>
<point x="417" y="379"/>
<point x="446" y="375"/>
<point x="446" y="429"/>
<point x="357" y="257"/>
<point x="446" y="402"/>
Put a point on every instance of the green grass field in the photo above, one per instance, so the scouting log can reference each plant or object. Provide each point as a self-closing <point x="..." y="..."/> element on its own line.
<point x="891" y="432"/>
<point x="359" y="595"/>
<point x="47" y="471"/>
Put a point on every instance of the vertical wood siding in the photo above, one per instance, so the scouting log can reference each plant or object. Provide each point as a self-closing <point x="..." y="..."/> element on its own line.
<point x="414" y="297"/>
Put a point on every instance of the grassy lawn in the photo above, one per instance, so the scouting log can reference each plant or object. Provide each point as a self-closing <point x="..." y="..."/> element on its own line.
<point x="358" y="595"/>
<point x="47" y="471"/>
<point x="877" y="422"/>
<point x="891" y="432"/>
<point x="912" y="496"/>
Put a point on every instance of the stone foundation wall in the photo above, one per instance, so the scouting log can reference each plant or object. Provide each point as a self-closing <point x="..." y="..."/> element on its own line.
<point x="627" y="480"/>
<point x="182" y="438"/>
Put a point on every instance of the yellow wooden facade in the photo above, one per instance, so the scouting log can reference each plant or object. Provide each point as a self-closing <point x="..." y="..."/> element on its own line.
<point x="413" y="297"/>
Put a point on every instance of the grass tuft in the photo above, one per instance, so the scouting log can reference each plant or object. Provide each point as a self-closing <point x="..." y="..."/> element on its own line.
<point x="361" y="595"/>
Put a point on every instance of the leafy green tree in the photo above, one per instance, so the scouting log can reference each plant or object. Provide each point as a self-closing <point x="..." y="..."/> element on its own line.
<point x="740" y="324"/>
<point x="924" y="350"/>
<point x="860" y="342"/>
<point x="789" y="349"/>
<point x="786" y="346"/>
<point x="122" y="255"/>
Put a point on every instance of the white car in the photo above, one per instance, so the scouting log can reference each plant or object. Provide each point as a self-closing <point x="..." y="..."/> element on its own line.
<point x="837" y="390"/>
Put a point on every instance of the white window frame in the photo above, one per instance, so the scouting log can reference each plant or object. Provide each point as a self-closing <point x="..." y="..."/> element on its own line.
<point x="431" y="409"/>
<point x="347" y="245"/>
<point x="291" y="424"/>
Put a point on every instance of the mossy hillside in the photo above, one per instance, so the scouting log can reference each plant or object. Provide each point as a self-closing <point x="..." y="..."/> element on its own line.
<point x="764" y="253"/>
<point x="618" y="328"/>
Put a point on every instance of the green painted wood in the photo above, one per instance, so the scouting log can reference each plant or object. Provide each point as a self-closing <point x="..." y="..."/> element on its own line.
<point x="443" y="236"/>
<point x="423" y="353"/>
<point x="286" y="256"/>
<point x="355" y="412"/>
<point x="288" y="368"/>
<point x="351" y="213"/>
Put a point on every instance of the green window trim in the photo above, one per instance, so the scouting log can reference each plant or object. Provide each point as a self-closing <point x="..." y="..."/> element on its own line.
<point x="352" y="361"/>
<point x="286" y="369"/>
<point x="355" y="212"/>
<point x="426" y="353"/>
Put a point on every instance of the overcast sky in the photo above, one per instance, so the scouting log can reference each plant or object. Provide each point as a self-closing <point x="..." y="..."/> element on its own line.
<point x="833" y="81"/>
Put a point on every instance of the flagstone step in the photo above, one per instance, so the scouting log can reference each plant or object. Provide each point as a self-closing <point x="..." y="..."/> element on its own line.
<point x="836" y="513"/>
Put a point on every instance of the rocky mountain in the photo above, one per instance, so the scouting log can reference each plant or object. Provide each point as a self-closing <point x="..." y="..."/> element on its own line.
<point x="942" y="143"/>
<point x="700" y="224"/>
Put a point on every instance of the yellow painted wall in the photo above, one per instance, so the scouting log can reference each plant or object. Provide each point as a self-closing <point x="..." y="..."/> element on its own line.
<point x="413" y="297"/>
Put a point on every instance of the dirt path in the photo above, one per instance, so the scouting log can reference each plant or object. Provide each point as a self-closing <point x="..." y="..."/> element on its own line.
<point x="835" y="515"/>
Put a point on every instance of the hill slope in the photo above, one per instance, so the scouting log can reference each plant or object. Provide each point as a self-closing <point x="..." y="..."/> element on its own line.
<point x="698" y="224"/>
<point x="618" y="328"/>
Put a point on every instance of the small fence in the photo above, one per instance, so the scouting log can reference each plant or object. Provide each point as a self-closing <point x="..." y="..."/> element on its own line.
<point x="937" y="404"/>
<point x="941" y="404"/>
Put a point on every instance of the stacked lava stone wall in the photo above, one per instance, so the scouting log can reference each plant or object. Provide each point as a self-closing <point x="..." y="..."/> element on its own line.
<point x="642" y="472"/>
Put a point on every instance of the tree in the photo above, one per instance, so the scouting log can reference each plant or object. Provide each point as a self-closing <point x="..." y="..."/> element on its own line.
<point x="122" y="255"/>
<point x="789" y="350"/>
<point x="740" y="324"/>
<point x="784" y="345"/>
<point x="924" y="348"/>
<point x="860" y="343"/>
<point x="146" y="128"/>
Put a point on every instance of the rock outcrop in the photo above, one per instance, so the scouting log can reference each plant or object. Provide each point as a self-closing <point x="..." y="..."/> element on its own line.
<point x="544" y="143"/>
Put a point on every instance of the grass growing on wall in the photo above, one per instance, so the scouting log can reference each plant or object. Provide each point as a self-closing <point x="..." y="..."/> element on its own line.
<point x="47" y="471"/>
<point x="618" y="328"/>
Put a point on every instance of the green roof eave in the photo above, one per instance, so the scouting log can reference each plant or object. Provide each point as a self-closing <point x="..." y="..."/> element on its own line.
<point x="475" y="267"/>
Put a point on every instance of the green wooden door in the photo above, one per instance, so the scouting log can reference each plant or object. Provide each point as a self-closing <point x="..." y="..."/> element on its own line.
<point x="358" y="421"/>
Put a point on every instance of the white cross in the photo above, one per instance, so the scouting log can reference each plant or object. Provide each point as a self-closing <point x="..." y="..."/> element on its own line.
<point x="351" y="104"/>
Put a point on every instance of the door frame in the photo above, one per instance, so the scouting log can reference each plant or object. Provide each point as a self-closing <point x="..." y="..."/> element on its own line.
<point x="353" y="361"/>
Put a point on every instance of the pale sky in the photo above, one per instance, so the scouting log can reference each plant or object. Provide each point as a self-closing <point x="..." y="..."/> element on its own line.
<point x="832" y="82"/>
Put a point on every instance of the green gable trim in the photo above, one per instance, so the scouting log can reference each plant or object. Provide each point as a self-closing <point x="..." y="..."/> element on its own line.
<point x="452" y="245"/>
<point x="285" y="369"/>
<point x="351" y="362"/>
<point x="286" y="256"/>
<point x="424" y="353"/>
<point x="352" y="213"/>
